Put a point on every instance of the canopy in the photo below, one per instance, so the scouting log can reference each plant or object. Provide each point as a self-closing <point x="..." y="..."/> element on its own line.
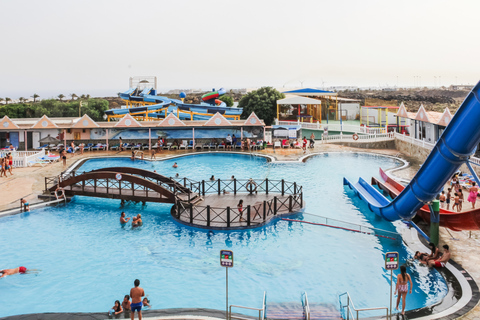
<point x="311" y="92"/>
<point x="298" y="100"/>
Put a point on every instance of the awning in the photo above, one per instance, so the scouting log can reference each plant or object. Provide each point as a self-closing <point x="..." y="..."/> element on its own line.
<point x="311" y="92"/>
<point x="299" y="100"/>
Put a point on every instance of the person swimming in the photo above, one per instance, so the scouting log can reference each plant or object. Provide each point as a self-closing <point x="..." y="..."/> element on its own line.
<point x="137" y="221"/>
<point x="21" y="270"/>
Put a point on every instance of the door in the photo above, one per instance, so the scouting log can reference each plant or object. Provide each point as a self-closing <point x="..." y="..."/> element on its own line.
<point x="35" y="138"/>
<point x="14" y="139"/>
<point x="29" y="140"/>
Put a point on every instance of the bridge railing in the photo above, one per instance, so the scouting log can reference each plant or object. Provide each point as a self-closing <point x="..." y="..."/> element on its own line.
<point x="286" y="197"/>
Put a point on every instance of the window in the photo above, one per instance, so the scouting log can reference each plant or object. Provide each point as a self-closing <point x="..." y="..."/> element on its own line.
<point x="76" y="136"/>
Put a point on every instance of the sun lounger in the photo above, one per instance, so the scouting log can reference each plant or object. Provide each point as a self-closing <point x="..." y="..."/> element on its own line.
<point x="190" y="145"/>
<point x="221" y="146"/>
<point x="45" y="146"/>
<point x="183" y="145"/>
<point x="167" y="147"/>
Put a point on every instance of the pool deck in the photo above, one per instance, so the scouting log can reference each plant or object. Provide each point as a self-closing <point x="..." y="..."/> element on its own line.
<point x="463" y="245"/>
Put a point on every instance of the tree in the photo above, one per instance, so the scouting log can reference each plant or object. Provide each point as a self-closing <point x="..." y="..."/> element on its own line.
<point x="61" y="96"/>
<point x="22" y="99"/>
<point x="73" y="95"/>
<point x="35" y="96"/>
<point x="1" y="99"/>
<point x="227" y="99"/>
<point x="7" y="100"/>
<point x="263" y="102"/>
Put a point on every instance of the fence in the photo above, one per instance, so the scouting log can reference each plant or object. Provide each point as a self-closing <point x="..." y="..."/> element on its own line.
<point x="361" y="137"/>
<point x="288" y="197"/>
<point x="23" y="158"/>
<point x="335" y="127"/>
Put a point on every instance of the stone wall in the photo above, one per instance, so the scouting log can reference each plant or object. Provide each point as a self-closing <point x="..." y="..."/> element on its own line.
<point x="420" y="154"/>
<point x="368" y="145"/>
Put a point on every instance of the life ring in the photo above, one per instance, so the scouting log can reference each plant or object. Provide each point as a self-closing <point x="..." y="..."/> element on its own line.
<point x="62" y="193"/>
<point x="251" y="186"/>
<point x="355" y="136"/>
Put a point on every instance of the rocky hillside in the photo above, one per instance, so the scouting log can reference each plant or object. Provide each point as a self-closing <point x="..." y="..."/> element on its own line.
<point x="432" y="99"/>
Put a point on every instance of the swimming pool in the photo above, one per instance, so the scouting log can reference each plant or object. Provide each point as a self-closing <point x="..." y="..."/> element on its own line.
<point x="88" y="260"/>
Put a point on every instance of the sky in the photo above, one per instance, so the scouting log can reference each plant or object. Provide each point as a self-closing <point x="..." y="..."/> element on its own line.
<point x="53" y="47"/>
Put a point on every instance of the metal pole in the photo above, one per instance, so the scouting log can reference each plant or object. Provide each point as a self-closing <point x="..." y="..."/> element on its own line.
<point x="226" y="270"/>
<point x="391" y="285"/>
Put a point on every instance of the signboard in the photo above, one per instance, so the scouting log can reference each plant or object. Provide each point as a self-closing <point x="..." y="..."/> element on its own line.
<point x="118" y="176"/>
<point x="226" y="258"/>
<point x="391" y="260"/>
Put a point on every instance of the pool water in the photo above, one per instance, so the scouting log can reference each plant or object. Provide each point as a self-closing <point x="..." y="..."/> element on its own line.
<point x="88" y="260"/>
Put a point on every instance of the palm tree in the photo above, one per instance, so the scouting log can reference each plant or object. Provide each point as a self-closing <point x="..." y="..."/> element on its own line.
<point x="1" y="99"/>
<point x="83" y="96"/>
<point x="61" y="96"/>
<point x="21" y="99"/>
<point x="7" y="100"/>
<point x="35" y="96"/>
<point x="73" y="95"/>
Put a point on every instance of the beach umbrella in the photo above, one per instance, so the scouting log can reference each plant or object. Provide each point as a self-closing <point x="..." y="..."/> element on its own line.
<point x="48" y="139"/>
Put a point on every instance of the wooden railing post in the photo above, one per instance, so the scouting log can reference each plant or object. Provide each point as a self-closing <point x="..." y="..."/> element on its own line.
<point x="290" y="204"/>
<point x="248" y="215"/>
<point x="133" y="189"/>
<point x="283" y="187"/>
<point x="274" y="206"/>
<point x="266" y="185"/>
<point x="264" y="211"/>
<point x="228" y="217"/>
<point x="301" y="200"/>
<point x="191" y="213"/>
<point x="294" y="188"/>
<point x="235" y="186"/>
<point x="208" y="216"/>
<point x="83" y="186"/>
<point x="46" y="183"/>
<point x="95" y="185"/>
<point x="218" y="186"/>
<point x="185" y="182"/>
<point x="203" y="187"/>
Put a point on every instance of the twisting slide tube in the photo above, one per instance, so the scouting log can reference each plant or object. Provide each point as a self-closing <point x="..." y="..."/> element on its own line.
<point x="457" y="143"/>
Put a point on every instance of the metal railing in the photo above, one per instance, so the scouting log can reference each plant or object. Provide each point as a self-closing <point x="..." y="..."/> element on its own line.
<point x="351" y="311"/>
<point x="261" y="311"/>
<point x="289" y="199"/>
<point x="361" y="137"/>
<point x="335" y="127"/>
<point x="22" y="159"/>
<point x="306" y="306"/>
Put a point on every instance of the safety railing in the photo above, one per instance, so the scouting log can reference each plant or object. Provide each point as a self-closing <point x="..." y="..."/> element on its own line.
<point x="261" y="311"/>
<point x="358" y="137"/>
<point x="21" y="159"/>
<point x="335" y="127"/>
<point x="348" y="310"/>
<point x="412" y="140"/>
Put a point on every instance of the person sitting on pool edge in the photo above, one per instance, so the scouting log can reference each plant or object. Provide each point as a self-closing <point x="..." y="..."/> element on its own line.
<point x="25" y="204"/>
<point x="442" y="262"/>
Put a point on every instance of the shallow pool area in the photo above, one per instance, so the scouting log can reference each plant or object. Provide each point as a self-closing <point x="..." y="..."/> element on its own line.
<point x="88" y="260"/>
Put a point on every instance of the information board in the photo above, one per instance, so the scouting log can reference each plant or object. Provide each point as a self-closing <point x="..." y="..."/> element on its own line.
<point x="391" y="260"/>
<point x="226" y="258"/>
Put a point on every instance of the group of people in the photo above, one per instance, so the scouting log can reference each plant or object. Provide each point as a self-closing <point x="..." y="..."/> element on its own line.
<point x="136" y="220"/>
<point x="137" y="304"/>
<point x="6" y="165"/>
<point x="297" y="144"/>
<point x="433" y="259"/>
<point x="458" y="197"/>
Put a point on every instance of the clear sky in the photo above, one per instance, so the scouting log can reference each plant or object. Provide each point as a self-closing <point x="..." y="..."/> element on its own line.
<point x="50" y="47"/>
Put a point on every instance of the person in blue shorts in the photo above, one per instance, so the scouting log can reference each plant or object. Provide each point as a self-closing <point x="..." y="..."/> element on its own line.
<point x="136" y="293"/>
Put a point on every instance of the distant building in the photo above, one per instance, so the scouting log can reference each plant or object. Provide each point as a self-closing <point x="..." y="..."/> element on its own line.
<point x="461" y="87"/>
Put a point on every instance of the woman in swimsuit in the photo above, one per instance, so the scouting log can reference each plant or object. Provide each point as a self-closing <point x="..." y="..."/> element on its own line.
<point x="435" y="253"/>
<point x="460" y="200"/>
<point x="116" y="309"/>
<point x="402" y="287"/>
<point x="422" y="257"/>
<point x="472" y="196"/>
<point x="240" y="210"/>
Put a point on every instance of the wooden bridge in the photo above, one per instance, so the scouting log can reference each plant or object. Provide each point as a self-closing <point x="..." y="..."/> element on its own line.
<point x="205" y="204"/>
<point x="121" y="183"/>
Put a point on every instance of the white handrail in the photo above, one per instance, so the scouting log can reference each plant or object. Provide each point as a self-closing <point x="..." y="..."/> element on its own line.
<point x="307" y="308"/>
<point x="335" y="127"/>
<point x="350" y="302"/>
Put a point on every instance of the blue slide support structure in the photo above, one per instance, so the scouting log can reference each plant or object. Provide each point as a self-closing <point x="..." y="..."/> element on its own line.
<point x="457" y="143"/>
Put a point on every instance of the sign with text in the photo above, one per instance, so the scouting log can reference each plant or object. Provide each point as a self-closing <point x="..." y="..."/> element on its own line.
<point x="226" y="258"/>
<point x="391" y="260"/>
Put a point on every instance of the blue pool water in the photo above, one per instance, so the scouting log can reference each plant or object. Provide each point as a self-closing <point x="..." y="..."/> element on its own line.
<point x="88" y="260"/>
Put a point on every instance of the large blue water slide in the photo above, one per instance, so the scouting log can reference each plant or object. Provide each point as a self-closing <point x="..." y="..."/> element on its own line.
<point x="457" y="143"/>
<point x="162" y="101"/>
<point x="146" y="91"/>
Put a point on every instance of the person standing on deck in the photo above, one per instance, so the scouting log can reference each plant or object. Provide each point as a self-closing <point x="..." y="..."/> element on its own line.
<point x="136" y="294"/>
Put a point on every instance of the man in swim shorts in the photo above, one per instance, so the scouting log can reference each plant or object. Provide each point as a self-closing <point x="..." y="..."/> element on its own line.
<point x="442" y="262"/>
<point x="122" y="218"/>
<point x="24" y="203"/>
<point x="9" y="272"/>
<point x="136" y="294"/>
